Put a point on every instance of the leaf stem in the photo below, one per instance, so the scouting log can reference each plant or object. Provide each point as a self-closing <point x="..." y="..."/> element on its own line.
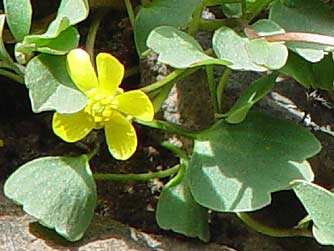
<point x="178" y="177"/>
<point x="12" y="76"/>
<point x="137" y="176"/>
<point x="220" y="2"/>
<point x="92" y="31"/>
<point x="212" y="87"/>
<point x="167" y="127"/>
<point x="131" y="14"/>
<point x="313" y="38"/>
<point x="271" y="231"/>
<point x="197" y="16"/>
<point x="171" y="77"/>
<point x="92" y="153"/>
<point x="221" y="86"/>
<point x="214" y="24"/>
<point x="176" y="150"/>
<point x="256" y="7"/>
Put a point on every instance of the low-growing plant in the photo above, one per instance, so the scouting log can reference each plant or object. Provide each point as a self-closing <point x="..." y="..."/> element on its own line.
<point x="236" y="163"/>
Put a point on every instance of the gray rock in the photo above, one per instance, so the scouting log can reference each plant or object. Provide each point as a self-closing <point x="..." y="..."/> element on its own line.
<point x="20" y="232"/>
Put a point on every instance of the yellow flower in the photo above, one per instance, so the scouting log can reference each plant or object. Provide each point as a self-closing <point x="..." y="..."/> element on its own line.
<point x="108" y="106"/>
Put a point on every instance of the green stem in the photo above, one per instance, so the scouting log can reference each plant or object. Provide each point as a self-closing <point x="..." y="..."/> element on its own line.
<point x="159" y="96"/>
<point x="172" y="77"/>
<point x="256" y="8"/>
<point x="167" y="127"/>
<point x="215" y="24"/>
<point x="212" y="87"/>
<point x="131" y="14"/>
<point x="176" y="150"/>
<point x="220" y="2"/>
<point x="92" y="31"/>
<point x="92" y="153"/>
<point x="243" y="7"/>
<point x="12" y="76"/>
<point x="275" y="232"/>
<point x="137" y="176"/>
<point x="197" y="16"/>
<point x="178" y="177"/>
<point x="221" y="86"/>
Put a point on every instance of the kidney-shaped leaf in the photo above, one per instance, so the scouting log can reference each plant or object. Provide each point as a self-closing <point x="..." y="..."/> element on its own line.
<point x="177" y="210"/>
<point x="50" y="87"/>
<point x="178" y="49"/>
<point x="319" y="204"/>
<point x="235" y="167"/>
<point x="59" y="191"/>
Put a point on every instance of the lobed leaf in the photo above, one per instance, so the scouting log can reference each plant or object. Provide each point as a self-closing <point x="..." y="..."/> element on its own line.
<point x="50" y="87"/>
<point x="59" y="191"/>
<point x="318" y="203"/>
<point x="235" y="168"/>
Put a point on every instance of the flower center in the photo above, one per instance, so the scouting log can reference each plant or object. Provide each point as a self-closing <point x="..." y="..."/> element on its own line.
<point x="100" y="106"/>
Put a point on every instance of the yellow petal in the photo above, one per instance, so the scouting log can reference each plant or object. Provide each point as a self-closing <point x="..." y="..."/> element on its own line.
<point x="121" y="137"/>
<point x="71" y="127"/>
<point x="110" y="72"/>
<point x="81" y="70"/>
<point x="135" y="103"/>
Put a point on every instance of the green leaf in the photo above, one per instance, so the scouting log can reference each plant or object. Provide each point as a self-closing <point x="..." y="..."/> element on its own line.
<point x="232" y="10"/>
<point x="299" y="69"/>
<point x="319" y="204"/>
<point x="256" y="91"/>
<point x="178" y="211"/>
<point x="269" y="55"/>
<point x="66" y="41"/>
<point x="245" y="54"/>
<point x="50" y="87"/>
<point x="318" y="75"/>
<point x="178" y="49"/>
<point x="324" y="74"/>
<point x="59" y="191"/>
<point x="235" y="168"/>
<point x="177" y="13"/>
<point x="305" y="16"/>
<point x="19" y="14"/>
<point x="3" y="52"/>
<point x="70" y="12"/>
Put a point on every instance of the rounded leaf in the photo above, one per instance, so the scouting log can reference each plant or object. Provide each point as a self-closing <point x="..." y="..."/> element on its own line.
<point x="59" y="191"/>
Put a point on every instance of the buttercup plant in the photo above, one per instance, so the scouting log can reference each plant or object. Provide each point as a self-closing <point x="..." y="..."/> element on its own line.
<point x="235" y="164"/>
<point x="108" y="106"/>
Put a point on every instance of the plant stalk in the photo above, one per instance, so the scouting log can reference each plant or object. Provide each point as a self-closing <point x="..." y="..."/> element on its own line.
<point x="137" y="176"/>
<point x="275" y="232"/>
